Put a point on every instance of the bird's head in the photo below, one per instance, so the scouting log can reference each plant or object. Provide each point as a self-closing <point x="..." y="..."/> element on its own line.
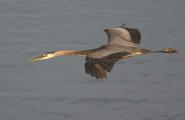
<point x="44" y="56"/>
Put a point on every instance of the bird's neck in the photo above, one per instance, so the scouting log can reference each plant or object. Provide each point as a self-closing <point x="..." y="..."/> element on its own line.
<point x="73" y="52"/>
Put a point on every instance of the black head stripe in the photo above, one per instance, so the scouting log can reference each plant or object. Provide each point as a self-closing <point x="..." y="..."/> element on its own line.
<point x="50" y="52"/>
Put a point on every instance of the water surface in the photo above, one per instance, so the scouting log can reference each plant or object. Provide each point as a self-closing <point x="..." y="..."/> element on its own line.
<point x="149" y="87"/>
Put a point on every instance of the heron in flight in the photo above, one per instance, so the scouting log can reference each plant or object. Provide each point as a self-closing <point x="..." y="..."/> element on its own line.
<point x="123" y="42"/>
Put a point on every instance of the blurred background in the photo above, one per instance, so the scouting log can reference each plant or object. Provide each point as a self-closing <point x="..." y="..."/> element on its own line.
<point x="149" y="87"/>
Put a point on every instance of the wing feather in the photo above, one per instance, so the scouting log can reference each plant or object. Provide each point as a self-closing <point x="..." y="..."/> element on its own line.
<point x="124" y="36"/>
<point x="99" y="67"/>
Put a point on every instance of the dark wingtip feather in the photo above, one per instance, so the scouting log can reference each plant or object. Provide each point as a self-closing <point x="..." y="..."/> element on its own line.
<point x="100" y="67"/>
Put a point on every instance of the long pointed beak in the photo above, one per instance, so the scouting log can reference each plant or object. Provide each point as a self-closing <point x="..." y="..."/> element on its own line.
<point x="45" y="56"/>
<point x="38" y="58"/>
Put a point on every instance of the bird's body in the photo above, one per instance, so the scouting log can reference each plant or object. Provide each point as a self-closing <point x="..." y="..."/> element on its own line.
<point x="115" y="48"/>
<point x="123" y="42"/>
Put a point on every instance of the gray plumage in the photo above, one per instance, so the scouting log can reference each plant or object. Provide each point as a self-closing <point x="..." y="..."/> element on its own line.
<point x="123" y="42"/>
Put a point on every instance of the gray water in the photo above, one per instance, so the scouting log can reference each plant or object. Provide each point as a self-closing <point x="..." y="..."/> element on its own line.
<point x="148" y="87"/>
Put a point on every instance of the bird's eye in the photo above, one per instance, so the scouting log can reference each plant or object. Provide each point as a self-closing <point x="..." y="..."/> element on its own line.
<point x="44" y="55"/>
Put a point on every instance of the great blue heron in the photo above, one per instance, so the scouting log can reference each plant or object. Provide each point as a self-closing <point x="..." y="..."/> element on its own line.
<point x="123" y="42"/>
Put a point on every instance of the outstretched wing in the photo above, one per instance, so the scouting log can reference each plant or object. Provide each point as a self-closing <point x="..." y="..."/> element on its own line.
<point x="99" y="67"/>
<point x="124" y="36"/>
